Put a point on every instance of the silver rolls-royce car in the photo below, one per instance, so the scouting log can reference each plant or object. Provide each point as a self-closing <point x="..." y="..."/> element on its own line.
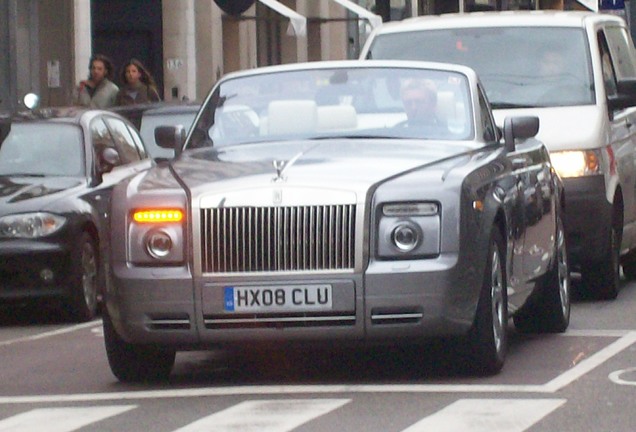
<point x="337" y="202"/>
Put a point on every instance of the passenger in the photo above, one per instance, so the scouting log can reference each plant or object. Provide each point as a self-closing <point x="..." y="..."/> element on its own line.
<point x="139" y="86"/>
<point x="98" y="91"/>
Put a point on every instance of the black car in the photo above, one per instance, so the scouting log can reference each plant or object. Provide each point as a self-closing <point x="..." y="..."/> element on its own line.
<point x="57" y="169"/>
<point x="146" y="117"/>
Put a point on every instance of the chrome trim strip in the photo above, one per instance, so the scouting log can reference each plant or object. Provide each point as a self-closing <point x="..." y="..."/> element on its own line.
<point x="396" y="316"/>
<point x="275" y="320"/>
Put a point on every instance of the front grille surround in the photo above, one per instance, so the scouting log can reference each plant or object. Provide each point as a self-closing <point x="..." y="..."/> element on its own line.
<point x="304" y="238"/>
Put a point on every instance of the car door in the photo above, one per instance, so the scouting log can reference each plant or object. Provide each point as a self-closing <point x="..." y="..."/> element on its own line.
<point x="514" y="184"/>
<point x="619" y="62"/>
<point x="539" y="210"/>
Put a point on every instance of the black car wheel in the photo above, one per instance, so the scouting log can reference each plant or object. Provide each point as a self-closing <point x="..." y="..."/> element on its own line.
<point x="83" y="283"/>
<point x="549" y="312"/>
<point x="135" y="363"/>
<point x="488" y="338"/>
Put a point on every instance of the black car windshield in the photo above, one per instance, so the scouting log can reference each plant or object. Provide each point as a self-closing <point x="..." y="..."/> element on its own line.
<point x="519" y="66"/>
<point x="42" y="149"/>
<point x="369" y="102"/>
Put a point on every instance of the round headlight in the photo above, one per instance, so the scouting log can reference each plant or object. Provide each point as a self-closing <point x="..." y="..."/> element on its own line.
<point x="158" y="244"/>
<point x="405" y="237"/>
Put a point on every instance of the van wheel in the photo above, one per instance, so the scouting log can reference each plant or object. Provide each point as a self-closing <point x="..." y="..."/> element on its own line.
<point x="133" y="363"/>
<point x="601" y="279"/>
<point x="488" y="337"/>
<point x="629" y="265"/>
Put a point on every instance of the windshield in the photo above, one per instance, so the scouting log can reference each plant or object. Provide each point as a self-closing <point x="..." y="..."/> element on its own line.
<point x="519" y="67"/>
<point x="364" y="102"/>
<point x="42" y="150"/>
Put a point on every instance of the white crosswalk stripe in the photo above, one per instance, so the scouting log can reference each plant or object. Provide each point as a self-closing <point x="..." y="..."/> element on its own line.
<point x="60" y="419"/>
<point x="265" y="415"/>
<point x="284" y="415"/>
<point x="488" y="415"/>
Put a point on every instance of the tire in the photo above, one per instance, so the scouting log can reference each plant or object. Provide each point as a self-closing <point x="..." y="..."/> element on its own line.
<point x="550" y="311"/>
<point x="601" y="279"/>
<point x="629" y="265"/>
<point x="132" y="363"/>
<point x="488" y="337"/>
<point x="83" y="283"/>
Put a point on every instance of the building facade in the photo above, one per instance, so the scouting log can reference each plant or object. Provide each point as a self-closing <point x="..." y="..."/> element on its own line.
<point x="189" y="44"/>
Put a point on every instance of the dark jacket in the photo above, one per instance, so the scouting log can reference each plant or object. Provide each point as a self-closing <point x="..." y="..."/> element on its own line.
<point x="139" y="94"/>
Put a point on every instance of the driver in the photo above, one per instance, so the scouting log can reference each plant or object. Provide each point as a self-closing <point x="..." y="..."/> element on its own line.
<point x="419" y="98"/>
<point x="551" y="64"/>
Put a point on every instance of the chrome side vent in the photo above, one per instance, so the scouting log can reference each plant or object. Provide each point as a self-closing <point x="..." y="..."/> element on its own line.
<point x="396" y="316"/>
<point x="277" y="239"/>
<point x="169" y="322"/>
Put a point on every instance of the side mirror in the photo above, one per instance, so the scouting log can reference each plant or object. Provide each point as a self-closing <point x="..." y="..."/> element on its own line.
<point x="171" y="137"/>
<point x="521" y="127"/>
<point x="620" y="101"/>
<point x="108" y="159"/>
<point x="626" y="96"/>
<point x="627" y="86"/>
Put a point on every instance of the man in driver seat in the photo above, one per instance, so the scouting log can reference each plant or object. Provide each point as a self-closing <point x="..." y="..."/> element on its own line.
<point x="419" y="98"/>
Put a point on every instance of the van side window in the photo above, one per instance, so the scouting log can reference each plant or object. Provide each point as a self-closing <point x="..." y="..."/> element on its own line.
<point x="609" y="75"/>
<point x="622" y="50"/>
<point x="488" y="124"/>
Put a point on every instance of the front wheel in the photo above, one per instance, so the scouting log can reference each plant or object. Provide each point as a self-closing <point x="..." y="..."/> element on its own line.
<point x="135" y="363"/>
<point x="550" y="311"/>
<point x="83" y="281"/>
<point x="488" y="337"/>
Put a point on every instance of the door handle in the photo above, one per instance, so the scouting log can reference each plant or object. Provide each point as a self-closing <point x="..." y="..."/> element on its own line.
<point x="518" y="163"/>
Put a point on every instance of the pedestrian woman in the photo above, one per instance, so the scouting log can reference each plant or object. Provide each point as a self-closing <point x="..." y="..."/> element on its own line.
<point x="138" y="85"/>
<point x="99" y="91"/>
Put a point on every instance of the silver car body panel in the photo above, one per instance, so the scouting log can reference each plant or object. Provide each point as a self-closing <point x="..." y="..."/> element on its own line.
<point x="381" y="295"/>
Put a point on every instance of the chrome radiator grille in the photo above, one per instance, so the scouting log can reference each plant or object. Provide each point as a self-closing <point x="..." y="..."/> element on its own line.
<point x="273" y="239"/>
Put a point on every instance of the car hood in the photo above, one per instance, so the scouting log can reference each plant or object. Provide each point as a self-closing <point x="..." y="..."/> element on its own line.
<point x="342" y="163"/>
<point x="564" y="128"/>
<point x="26" y="193"/>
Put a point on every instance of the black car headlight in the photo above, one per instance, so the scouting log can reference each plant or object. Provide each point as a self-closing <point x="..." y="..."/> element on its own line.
<point x="30" y="225"/>
<point x="409" y="230"/>
<point x="156" y="236"/>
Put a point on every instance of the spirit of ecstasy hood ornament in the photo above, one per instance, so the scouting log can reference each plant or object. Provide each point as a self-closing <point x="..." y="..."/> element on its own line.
<point x="279" y="166"/>
<point x="283" y="165"/>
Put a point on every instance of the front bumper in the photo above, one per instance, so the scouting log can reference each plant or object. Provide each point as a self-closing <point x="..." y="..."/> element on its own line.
<point x="410" y="300"/>
<point x="588" y="219"/>
<point x="33" y="269"/>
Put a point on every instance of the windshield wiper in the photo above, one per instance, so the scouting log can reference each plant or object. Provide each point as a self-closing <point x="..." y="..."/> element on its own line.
<point x="504" y="105"/>
<point x="22" y="175"/>
<point x="324" y="137"/>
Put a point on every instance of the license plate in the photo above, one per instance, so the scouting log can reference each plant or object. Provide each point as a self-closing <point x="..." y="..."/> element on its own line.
<point x="278" y="298"/>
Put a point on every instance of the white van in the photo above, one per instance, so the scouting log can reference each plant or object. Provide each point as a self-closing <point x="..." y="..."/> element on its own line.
<point x="577" y="72"/>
